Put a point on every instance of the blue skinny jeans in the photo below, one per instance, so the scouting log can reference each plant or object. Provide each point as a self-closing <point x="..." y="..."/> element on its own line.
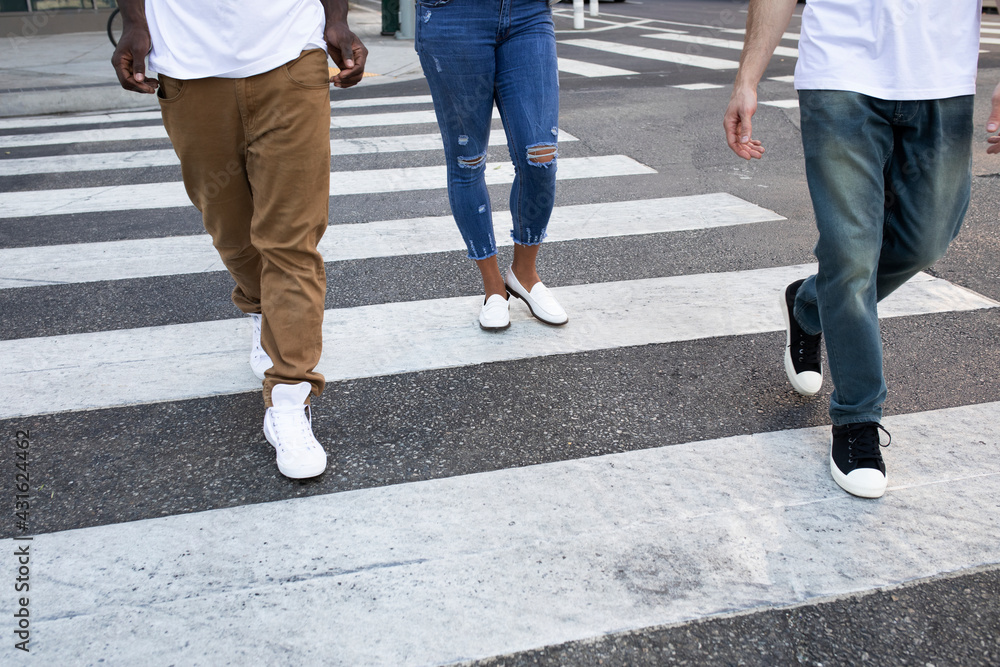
<point x="890" y="184"/>
<point x="475" y="52"/>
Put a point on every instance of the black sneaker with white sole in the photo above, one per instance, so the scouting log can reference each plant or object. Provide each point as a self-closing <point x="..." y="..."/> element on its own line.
<point x="803" y="360"/>
<point x="856" y="459"/>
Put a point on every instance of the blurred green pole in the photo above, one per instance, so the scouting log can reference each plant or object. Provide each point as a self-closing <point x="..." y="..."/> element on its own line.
<point x="390" y="17"/>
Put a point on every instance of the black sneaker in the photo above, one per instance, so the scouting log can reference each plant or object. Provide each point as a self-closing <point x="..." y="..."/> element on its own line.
<point x="856" y="459"/>
<point x="803" y="362"/>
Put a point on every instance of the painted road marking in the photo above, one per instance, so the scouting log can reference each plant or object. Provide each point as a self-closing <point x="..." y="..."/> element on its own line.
<point x="173" y="194"/>
<point x="425" y="573"/>
<point x="653" y="54"/>
<point x="143" y="258"/>
<point x="113" y="368"/>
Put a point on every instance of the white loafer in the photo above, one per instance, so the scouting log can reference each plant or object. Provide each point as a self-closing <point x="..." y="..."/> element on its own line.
<point x="495" y="315"/>
<point x="540" y="301"/>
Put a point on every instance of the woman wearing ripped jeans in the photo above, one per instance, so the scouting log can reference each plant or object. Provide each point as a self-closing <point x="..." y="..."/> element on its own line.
<point x="475" y="52"/>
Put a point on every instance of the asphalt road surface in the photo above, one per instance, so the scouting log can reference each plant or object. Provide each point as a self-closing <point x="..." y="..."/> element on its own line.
<point x="640" y="487"/>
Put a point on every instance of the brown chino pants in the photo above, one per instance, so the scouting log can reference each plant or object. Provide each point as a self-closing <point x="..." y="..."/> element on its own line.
<point x="255" y="157"/>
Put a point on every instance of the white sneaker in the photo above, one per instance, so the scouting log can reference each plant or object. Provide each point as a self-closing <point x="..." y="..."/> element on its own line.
<point x="259" y="361"/>
<point x="288" y="427"/>
<point x="540" y="301"/>
<point x="495" y="314"/>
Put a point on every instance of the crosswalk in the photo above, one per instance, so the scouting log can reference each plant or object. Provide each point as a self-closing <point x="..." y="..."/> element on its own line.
<point x="173" y="540"/>
<point x="710" y="48"/>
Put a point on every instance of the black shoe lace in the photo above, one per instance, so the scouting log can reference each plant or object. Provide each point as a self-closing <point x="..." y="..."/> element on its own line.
<point x="808" y="348"/>
<point x="864" y="442"/>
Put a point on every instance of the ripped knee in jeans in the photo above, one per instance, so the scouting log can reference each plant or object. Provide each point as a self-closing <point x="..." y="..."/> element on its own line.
<point x="542" y="154"/>
<point x="473" y="161"/>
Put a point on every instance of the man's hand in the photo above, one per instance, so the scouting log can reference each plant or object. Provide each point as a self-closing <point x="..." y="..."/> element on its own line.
<point x="766" y="22"/>
<point x="129" y="59"/>
<point x="739" y="130"/>
<point x="993" y="124"/>
<point x="347" y="52"/>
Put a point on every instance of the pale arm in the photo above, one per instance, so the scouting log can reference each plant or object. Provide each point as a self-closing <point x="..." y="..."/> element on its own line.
<point x="766" y="22"/>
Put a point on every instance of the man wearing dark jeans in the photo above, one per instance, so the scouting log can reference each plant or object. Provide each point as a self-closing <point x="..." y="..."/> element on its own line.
<point x="244" y="93"/>
<point x="886" y="96"/>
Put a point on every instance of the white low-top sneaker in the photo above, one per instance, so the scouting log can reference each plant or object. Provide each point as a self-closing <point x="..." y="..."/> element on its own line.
<point x="288" y="427"/>
<point x="540" y="301"/>
<point x="495" y="315"/>
<point x="259" y="361"/>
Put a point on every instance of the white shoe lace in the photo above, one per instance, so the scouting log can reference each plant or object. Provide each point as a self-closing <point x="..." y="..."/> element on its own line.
<point x="258" y="357"/>
<point x="292" y="426"/>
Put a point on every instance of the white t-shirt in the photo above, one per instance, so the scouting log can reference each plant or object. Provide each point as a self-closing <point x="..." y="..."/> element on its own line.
<point x="194" y="39"/>
<point x="890" y="49"/>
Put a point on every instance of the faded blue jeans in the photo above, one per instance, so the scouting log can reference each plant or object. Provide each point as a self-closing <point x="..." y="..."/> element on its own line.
<point x="474" y="52"/>
<point x="890" y="184"/>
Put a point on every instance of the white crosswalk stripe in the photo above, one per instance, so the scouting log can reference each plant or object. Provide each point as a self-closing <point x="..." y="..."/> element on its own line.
<point x="207" y="359"/>
<point x="732" y="44"/>
<point x="392" y="574"/>
<point x="549" y="553"/>
<point x="591" y="70"/>
<point x="105" y="118"/>
<point x="698" y="86"/>
<point x="367" y="181"/>
<point x="120" y="260"/>
<point x="782" y="104"/>
<point x="705" y="62"/>
<point x="166" y="158"/>
<point x="158" y="131"/>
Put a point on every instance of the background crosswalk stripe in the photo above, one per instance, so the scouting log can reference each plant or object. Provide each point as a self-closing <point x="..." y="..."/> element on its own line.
<point x="117" y="260"/>
<point x="83" y="136"/>
<point x="698" y="86"/>
<point x="782" y="104"/>
<point x="442" y="571"/>
<point x="77" y="119"/>
<point x="112" y="368"/>
<point x="167" y="157"/>
<point x="172" y="194"/>
<point x="793" y="36"/>
<point x="380" y="101"/>
<point x="97" y="119"/>
<point x="718" y="43"/>
<point x="590" y="69"/>
<point x="158" y="131"/>
<point x="653" y="54"/>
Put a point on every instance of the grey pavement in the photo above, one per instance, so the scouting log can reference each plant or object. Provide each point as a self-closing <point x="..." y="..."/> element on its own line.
<point x="72" y="73"/>
<point x="480" y="437"/>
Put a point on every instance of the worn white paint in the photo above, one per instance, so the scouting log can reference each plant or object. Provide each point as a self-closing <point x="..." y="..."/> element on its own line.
<point x="124" y="367"/>
<point x="782" y="104"/>
<point x="366" y="181"/>
<point x="653" y="54"/>
<point x="590" y="70"/>
<point x="61" y="164"/>
<point x="142" y="258"/>
<point x="698" y="86"/>
<point x="441" y="571"/>
<point x="158" y="132"/>
<point x="715" y="42"/>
